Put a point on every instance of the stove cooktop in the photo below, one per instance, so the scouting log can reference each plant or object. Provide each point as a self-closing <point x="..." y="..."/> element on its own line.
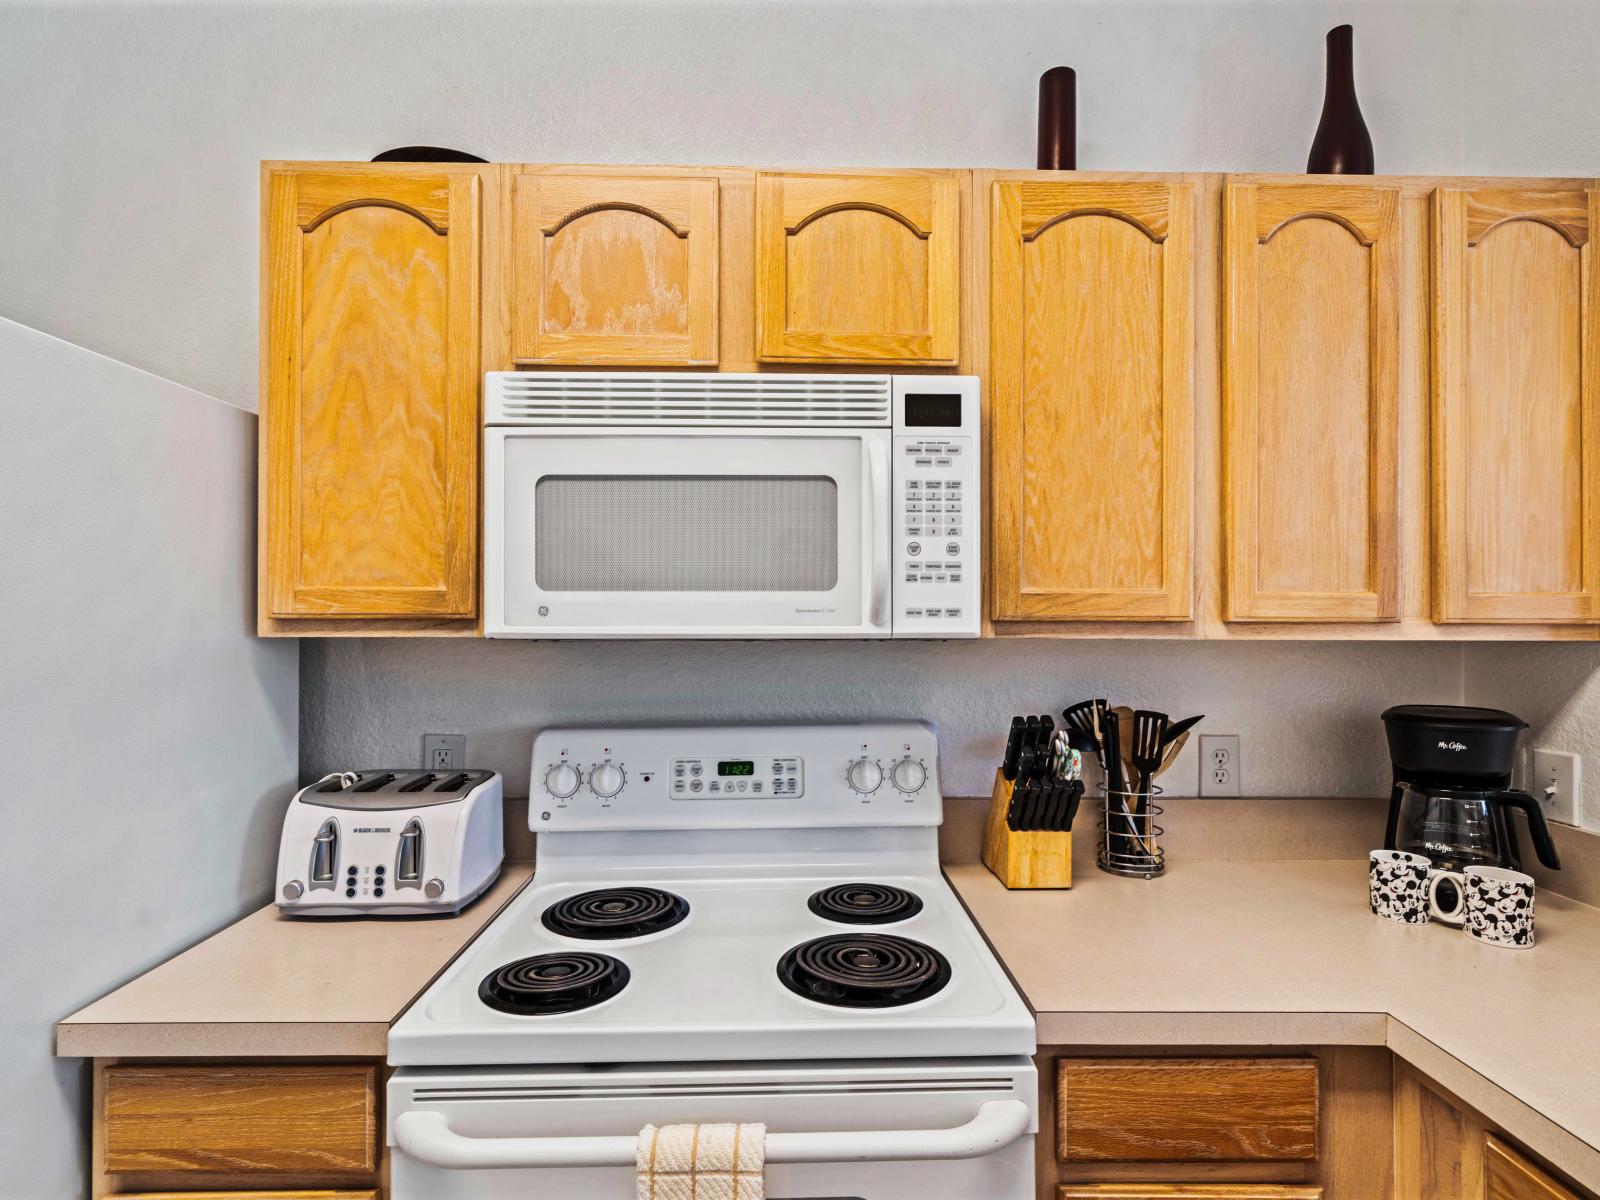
<point x="720" y="969"/>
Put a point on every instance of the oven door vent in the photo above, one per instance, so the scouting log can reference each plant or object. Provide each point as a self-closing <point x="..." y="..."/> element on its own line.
<point x="641" y="398"/>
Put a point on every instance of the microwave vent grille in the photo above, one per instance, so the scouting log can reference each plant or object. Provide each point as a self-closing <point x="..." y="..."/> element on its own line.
<point x="538" y="398"/>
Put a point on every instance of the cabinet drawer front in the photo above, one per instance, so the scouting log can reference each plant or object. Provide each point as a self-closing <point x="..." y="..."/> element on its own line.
<point x="1188" y="1191"/>
<point x="1513" y="1177"/>
<point x="1187" y="1110"/>
<point x="266" y="1120"/>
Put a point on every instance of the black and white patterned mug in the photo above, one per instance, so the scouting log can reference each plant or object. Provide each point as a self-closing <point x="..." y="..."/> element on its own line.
<point x="1499" y="906"/>
<point x="1398" y="886"/>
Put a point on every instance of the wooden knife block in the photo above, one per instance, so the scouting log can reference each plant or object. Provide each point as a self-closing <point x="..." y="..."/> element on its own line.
<point x="1036" y="859"/>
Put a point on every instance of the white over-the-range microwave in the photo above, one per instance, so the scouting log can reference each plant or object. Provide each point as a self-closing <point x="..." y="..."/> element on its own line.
<point x="640" y="505"/>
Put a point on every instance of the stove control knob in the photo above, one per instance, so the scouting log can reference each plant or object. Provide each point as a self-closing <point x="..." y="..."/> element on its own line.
<point x="433" y="889"/>
<point x="864" y="775"/>
<point x="606" y="780"/>
<point x="909" y="774"/>
<point x="562" y="780"/>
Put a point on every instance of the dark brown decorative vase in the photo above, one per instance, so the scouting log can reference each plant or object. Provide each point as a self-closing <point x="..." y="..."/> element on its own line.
<point x="1342" y="145"/>
<point x="1058" y="120"/>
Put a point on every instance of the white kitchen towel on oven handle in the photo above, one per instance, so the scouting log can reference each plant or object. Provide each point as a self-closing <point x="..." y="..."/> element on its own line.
<point x="702" y="1162"/>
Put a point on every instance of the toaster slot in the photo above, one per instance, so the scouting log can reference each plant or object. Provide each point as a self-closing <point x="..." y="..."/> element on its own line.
<point x="371" y="783"/>
<point x="408" y="858"/>
<point x="455" y="782"/>
<point x="325" y="854"/>
<point x="419" y="783"/>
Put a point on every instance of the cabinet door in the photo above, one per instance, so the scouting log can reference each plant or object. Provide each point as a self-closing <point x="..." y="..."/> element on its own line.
<point x="371" y="392"/>
<point x="1513" y="1177"/>
<point x="1311" y="383"/>
<point x="1090" y="378"/>
<point x="857" y="268"/>
<point x="1516" y="419"/>
<point x="613" y="270"/>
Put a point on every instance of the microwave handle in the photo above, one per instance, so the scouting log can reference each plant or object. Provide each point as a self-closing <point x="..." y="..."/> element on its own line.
<point x="878" y="471"/>
<point x="427" y="1137"/>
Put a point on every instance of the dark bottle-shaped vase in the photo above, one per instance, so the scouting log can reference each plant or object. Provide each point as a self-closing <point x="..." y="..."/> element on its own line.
<point x="1058" y="120"/>
<point x="1342" y="145"/>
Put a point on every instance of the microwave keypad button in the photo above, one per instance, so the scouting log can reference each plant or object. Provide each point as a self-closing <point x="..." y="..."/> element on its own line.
<point x="952" y="612"/>
<point x="911" y="576"/>
<point x="913" y="485"/>
<point x="952" y="485"/>
<point x="914" y="549"/>
<point x="941" y="578"/>
<point x="953" y="507"/>
<point x="923" y="462"/>
<point x="935" y="612"/>
<point x="913" y="506"/>
<point x="941" y="462"/>
<point x="927" y="578"/>
<point x="955" y="576"/>
<point x="913" y="531"/>
<point x="952" y="549"/>
<point x="913" y="612"/>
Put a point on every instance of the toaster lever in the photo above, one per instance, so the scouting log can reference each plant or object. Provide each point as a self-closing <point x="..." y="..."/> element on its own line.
<point x="408" y="864"/>
<point x="325" y="852"/>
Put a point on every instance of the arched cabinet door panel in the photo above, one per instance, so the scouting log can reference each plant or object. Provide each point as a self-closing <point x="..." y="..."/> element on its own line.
<point x="1090" y="395"/>
<point x="370" y="392"/>
<point x="1516" y="414"/>
<point x="614" y="270"/>
<point x="857" y="268"/>
<point x="1311" y="401"/>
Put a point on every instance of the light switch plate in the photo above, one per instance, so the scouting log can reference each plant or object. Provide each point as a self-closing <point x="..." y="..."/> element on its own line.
<point x="1557" y="784"/>
<point x="1219" y="764"/>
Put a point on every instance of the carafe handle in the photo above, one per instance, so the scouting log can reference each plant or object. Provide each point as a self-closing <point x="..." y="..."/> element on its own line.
<point x="1537" y="829"/>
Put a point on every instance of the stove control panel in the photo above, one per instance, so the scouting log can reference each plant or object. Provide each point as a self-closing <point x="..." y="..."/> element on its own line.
<point x="729" y="778"/>
<point x="735" y="777"/>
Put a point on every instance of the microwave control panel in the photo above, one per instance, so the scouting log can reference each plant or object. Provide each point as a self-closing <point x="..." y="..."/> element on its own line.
<point x="938" y="509"/>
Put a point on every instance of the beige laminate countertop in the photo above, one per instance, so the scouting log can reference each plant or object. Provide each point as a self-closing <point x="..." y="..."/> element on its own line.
<point x="1260" y="953"/>
<point x="270" y="985"/>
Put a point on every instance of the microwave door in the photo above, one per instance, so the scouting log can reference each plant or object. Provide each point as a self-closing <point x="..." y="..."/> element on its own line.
<point x="687" y="533"/>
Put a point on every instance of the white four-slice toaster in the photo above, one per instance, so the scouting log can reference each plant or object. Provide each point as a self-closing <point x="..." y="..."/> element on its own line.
<point x="391" y="843"/>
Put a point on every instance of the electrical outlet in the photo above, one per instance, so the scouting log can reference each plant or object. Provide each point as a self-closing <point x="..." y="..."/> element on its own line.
<point x="444" y="751"/>
<point x="1558" y="783"/>
<point x="1219" y="764"/>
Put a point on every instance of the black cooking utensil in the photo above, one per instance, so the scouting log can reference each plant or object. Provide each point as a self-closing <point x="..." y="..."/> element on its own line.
<point x="1177" y="729"/>
<point x="1149" y="734"/>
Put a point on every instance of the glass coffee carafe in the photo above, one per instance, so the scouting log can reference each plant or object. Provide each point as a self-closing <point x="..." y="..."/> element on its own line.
<point x="1464" y="827"/>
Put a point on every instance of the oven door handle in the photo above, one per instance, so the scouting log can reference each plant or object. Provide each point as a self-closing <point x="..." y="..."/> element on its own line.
<point x="878" y="472"/>
<point x="427" y="1137"/>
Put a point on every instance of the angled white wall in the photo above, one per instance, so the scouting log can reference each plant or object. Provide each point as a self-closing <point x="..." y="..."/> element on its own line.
<point x="150" y="737"/>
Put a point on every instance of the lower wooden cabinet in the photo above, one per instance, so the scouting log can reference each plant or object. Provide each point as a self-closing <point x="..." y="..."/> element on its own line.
<point x="1187" y="1110"/>
<point x="1510" y="1176"/>
<point x="1188" y="1191"/>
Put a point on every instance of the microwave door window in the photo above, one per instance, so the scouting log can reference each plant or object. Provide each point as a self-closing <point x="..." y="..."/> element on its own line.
<point x="686" y="533"/>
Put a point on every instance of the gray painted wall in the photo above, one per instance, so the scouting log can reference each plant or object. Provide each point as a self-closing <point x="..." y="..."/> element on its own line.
<point x="150" y="738"/>
<point x="135" y="129"/>
<point x="1307" y="712"/>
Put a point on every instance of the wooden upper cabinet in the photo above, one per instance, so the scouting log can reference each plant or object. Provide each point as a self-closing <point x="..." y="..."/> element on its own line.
<point x="1091" y="411"/>
<point x="370" y="405"/>
<point x="614" y="270"/>
<point x="1311" y="401"/>
<point x="857" y="268"/>
<point x="1516" y="419"/>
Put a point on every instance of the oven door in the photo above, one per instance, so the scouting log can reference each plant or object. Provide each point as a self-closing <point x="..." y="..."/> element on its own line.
<point x="944" y="1129"/>
<point x="649" y="532"/>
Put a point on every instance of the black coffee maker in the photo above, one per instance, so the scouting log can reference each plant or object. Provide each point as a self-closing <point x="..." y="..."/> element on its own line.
<point x="1451" y="800"/>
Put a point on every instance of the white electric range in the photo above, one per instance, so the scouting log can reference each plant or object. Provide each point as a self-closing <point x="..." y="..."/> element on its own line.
<point x="727" y="923"/>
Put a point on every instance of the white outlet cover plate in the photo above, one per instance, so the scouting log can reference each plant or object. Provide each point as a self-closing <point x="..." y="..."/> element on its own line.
<point x="1564" y="771"/>
<point x="1219" y="764"/>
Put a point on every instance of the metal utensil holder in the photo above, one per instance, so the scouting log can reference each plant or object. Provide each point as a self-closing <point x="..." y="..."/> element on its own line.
<point x="1129" y="835"/>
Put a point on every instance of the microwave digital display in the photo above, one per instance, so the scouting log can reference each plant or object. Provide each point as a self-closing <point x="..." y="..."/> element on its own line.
<point x="742" y="767"/>
<point x="933" y="410"/>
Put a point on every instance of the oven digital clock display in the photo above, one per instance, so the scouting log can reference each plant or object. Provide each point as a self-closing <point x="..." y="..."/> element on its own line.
<point x="736" y="767"/>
